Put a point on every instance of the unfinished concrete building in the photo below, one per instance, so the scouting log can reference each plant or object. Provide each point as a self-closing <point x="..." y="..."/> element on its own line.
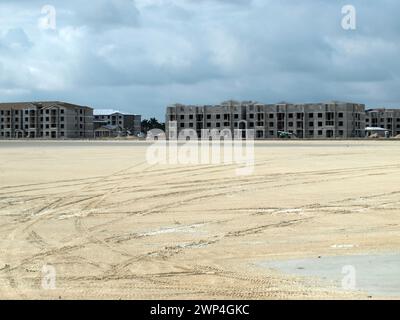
<point x="340" y="120"/>
<point x="388" y="119"/>
<point x="129" y="122"/>
<point x="48" y="120"/>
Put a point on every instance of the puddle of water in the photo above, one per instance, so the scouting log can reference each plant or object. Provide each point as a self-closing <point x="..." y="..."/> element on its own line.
<point x="376" y="274"/>
<point x="184" y="229"/>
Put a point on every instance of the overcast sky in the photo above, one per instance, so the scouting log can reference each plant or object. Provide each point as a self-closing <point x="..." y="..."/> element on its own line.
<point x="141" y="55"/>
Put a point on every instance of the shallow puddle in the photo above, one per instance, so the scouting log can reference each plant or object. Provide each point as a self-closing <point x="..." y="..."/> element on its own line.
<point x="377" y="274"/>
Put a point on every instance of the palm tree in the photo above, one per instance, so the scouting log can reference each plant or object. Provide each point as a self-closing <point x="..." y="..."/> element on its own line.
<point x="153" y="123"/>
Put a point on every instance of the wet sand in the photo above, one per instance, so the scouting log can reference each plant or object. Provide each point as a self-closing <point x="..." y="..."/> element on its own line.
<point x="113" y="226"/>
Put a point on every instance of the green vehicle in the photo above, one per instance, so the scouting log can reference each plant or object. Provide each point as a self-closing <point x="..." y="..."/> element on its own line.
<point x="285" y="135"/>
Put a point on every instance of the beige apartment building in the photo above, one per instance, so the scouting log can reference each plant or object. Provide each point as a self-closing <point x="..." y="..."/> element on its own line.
<point x="388" y="119"/>
<point x="48" y="120"/>
<point x="332" y="120"/>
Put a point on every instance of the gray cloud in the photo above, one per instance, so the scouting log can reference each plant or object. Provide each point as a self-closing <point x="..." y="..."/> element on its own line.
<point x="141" y="55"/>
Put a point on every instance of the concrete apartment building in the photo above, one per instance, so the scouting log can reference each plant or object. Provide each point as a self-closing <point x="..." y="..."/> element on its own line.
<point x="388" y="119"/>
<point x="48" y="120"/>
<point x="312" y="121"/>
<point x="129" y="122"/>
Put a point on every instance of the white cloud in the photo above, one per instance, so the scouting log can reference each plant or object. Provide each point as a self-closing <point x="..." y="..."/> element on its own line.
<point x="142" y="55"/>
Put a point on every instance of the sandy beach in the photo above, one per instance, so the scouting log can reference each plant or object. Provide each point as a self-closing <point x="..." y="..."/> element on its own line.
<point x="112" y="226"/>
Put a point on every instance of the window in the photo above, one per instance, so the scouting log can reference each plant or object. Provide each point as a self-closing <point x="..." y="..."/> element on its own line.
<point x="208" y="125"/>
<point x="340" y="115"/>
<point x="218" y="116"/>
<point x="251" y="115"/>
<point x="319" y="115"/>
<point x="271" y="124"/>
<point x="62" y="111"/>
<point x="182" y="125"/>
<point x="62" y="119"/>
<point x="191" y="117"/>
<point x="271" y="115"/>
<point x="251" y="124"/>
<point x="290" y="115"/>
<point x="209" y="116"/>
<point x="311" y="124"/>
<point x="218" y="125"/>
<point x="340" y="123"/>
<point x="226" y="124"/>
<point x="311" y="132"/>
<point x="290" y="124"/>
<point x="47" y="112"/>
<point x="182" y="117"/>
<point x="311" y="115"/>
<point x="320" y="132"/>
<point x="320" y="124"/>
<point x="191" y="124"/>
<point x="236" y="116"/>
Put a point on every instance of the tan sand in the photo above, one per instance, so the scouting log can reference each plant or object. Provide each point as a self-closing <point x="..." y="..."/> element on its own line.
<point x="113" y="226"/>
